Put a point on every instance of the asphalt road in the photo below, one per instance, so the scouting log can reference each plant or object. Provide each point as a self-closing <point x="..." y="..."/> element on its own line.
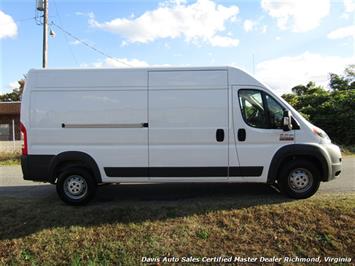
<point x="12" y="185"/>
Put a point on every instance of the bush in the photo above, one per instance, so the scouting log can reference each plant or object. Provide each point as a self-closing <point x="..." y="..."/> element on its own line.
<point x="333" y="111"/>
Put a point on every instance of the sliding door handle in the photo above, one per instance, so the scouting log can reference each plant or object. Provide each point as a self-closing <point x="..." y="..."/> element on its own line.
<point x="220" y="135"/>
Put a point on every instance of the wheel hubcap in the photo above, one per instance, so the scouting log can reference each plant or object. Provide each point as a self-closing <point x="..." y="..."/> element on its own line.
<point x="75" y="187"/>
<point x="300" y="179"/>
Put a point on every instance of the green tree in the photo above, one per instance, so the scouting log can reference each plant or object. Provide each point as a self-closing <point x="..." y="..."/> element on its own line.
<point x="291" y="98"/>
<point x="344" y="82"/>
<point x="299" y="90"/>
<point x="16" y="93"/>
<point x="333" y="110"/>
<point x="310" y="88"/>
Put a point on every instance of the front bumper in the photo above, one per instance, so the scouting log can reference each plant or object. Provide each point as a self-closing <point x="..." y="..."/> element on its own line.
<point x="336" y="161"/>
<point x="336" y="170"/>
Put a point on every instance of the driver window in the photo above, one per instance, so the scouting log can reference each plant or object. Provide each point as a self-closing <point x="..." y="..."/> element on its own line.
<point x="260" y="110"/>
<point x="252" y="108"/>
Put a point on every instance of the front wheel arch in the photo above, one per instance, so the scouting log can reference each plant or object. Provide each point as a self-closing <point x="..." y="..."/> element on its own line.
<point x="293" y="152"/>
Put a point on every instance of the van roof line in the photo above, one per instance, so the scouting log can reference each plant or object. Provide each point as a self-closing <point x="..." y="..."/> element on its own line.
<point x="143" y="68"/>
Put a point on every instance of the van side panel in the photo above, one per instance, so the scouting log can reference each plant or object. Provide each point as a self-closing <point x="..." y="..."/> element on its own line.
<point x="198" y="79"/>
<point x="85" y="79"/>
<point x="106" y="124"/>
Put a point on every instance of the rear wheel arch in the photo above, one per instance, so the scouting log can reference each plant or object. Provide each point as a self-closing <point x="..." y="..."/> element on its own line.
<point x="292" y="152"/>
<point x="73" y="159"/>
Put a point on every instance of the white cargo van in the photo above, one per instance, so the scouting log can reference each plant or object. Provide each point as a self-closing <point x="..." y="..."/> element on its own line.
<point x="83" y="127"/>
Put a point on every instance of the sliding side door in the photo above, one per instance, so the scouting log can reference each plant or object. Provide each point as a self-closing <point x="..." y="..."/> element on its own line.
<point x="188" y="125"/>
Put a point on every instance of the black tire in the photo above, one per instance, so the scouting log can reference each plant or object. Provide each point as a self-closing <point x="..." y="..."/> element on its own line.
<point x="299" y="179"/>
<point x="76" y="186"/>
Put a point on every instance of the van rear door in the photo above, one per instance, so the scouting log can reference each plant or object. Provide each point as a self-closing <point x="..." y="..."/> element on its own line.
<point x="188" y="124"/>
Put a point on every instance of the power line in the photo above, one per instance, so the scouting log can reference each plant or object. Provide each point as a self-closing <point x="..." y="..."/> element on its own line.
<point x="17" y="21"/>
<point x="21" y="20"/>
<point x="65" y="36"/>
<point x="89" y="45"/>
<point x="36" y="18"/>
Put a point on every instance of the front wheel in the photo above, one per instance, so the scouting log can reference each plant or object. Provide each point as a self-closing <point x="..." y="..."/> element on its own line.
<point x="299" y="179"/>
<point x="76" y="186"/>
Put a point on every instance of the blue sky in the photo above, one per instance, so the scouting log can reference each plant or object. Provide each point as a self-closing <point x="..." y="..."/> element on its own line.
<point x="283" y="43"/>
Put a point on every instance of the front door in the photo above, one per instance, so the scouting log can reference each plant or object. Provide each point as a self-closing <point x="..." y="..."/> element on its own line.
<point x="258" y="130"/>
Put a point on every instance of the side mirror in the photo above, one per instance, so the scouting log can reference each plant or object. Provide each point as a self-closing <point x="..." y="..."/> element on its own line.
<point x="287" y="121"/>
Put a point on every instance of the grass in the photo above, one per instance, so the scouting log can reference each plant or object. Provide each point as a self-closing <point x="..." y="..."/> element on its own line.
<point x="10" y="158"/>
<point x="348" y="150"/>
<point x="47" y="232"/>
<point x="10" y="152"/>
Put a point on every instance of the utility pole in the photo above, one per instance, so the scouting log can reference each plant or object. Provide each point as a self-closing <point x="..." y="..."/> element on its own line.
<point x="45" y="34"/>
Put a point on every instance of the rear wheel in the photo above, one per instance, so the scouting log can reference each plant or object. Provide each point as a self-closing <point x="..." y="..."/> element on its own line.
<point x="299" y="179"/>
<point x="76" y="186"/>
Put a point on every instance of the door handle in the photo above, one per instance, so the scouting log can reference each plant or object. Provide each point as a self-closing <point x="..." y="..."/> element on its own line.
<point x="242" y="134"/>
<point x="220" y="135"/>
